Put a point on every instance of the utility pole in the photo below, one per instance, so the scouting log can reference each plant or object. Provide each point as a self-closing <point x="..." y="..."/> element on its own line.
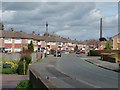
<point x="46" y="37"/>
<point x="46" y="27"/>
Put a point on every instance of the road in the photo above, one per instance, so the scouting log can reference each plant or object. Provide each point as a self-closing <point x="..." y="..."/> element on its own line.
<point x="70" y="71"/>
<point x="88" y="73"/>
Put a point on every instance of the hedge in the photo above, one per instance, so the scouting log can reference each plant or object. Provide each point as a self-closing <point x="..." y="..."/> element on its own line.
<point x="98" y="52"/>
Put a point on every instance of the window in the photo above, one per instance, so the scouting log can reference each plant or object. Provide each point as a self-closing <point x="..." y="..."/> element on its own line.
<point x="8" y="49"/>
<point x="8" y="40"/>
<point x="118" y="40"/>
<point x="18" y="40"/>
<point x="17" y="49"/>
<point x="53" y="43"/>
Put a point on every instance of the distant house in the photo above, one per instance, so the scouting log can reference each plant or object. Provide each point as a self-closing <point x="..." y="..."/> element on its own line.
<point x="116" y="42"/>
<point x="38" y="41"/>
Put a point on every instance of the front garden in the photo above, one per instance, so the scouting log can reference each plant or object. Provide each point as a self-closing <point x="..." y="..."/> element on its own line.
<point x="106" y="55"/>
<point x="16" y="67"/>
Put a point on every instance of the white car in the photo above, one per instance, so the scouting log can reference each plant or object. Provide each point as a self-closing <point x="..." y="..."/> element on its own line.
<point x="48" y="52"/>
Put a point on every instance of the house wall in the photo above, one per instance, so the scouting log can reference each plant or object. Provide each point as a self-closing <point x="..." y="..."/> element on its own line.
<point x="116" y="43"/>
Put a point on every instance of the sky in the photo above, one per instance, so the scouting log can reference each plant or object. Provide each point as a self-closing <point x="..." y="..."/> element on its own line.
<point x="76" y="20"/>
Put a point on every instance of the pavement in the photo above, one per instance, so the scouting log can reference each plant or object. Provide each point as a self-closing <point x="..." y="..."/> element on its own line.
<point x="11" y="80"/>
<point x="100" y="63"/>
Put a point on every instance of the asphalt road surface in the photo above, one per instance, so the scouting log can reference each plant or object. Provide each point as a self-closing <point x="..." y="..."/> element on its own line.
<point x="87" y="73"/>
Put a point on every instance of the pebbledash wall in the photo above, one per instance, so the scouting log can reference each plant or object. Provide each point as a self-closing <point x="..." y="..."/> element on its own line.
<point x="17" y="56"/>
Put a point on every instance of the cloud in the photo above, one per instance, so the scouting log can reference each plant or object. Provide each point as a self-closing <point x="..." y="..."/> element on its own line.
<point x="75" y="20"/>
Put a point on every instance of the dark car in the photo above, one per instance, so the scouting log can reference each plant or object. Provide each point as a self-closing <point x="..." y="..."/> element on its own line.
<point x="58" y="54"/>
<point x="78" y="52"/>
<point x="81" y="52"/>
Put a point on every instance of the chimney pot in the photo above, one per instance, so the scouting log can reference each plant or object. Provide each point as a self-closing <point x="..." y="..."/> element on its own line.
<point x="33" y="32"/>
<point x="11" y="29"/>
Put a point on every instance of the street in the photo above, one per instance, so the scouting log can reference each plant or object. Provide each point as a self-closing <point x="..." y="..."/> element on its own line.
<point x="86" y="72"/>
<point x="70" y="71"/>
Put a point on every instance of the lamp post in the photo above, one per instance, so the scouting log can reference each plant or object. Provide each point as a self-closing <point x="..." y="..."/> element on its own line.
<point x="56" y="47"/>
<point x="24" y="65"/>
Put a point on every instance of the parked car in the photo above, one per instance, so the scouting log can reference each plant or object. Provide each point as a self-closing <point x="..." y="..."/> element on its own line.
<point x="58" y="54"/>
<point x="48" y="53"/>
<point x="78" y="52"/>
<point x="81" y="52"/>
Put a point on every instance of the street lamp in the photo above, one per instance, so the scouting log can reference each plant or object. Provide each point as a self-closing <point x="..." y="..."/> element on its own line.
<point x="56" y="47"/>
<point x="24" y="65"/>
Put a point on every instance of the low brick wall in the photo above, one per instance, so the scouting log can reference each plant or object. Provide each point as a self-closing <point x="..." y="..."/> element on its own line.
<point x="38" y="81"/>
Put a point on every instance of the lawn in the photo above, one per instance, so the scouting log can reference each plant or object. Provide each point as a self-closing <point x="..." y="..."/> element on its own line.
<point x="8" y="71"/>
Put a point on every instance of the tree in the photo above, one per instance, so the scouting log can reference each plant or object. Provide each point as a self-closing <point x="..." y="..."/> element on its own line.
<point x="107" y="46"/>
<point x="31" y="47"/>
<point x="1" y="26"/>
<point x="76" y="48"/>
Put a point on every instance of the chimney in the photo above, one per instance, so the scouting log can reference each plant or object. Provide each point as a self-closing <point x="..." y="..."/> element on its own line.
<point x="101" y="28"/>
<point x="33" y="32"/>
<point x="12" y="29"/>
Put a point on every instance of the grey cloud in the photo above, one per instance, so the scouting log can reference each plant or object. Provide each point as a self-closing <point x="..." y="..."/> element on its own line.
<point x="67" y="19"/>
<point x="19" y="6"/>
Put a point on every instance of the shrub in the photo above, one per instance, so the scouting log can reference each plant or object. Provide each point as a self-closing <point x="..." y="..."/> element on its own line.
<point x="98" y="52"/>
<point x="76" y="48"/>
<point x="28" y="59"/>
<point x="20" y="69"/>
<point x="10" y="64"/>
<point x="24" y="84"/>
<point x="8" y="71"/>
<point x="31" y="47"/>
<point x="94" y="53"/>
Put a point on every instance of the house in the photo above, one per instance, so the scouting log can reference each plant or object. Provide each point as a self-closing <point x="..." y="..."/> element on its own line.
<point x="13" y="41"/>
<point x="116" y="42"/>
<point x="38" y="41"/>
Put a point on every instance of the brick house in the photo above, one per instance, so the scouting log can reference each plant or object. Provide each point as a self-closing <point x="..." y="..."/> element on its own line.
<point x="13" y="41"/>
<point x="116" y="42"/>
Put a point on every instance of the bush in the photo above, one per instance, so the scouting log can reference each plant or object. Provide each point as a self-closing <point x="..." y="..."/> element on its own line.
<point x="28" y="59"/>
<point x="8" y="71"/>
<point x="94" y="53"/>
<point x="31" y="47"/>
<point x="20" y="69"/>
<point x="98" y="52"/>
<point x="10" y="64"/>
<point x="24" y="84"/>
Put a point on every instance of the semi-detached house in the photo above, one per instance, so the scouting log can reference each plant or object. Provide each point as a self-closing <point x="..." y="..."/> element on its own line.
<point x="15" y="41"/>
